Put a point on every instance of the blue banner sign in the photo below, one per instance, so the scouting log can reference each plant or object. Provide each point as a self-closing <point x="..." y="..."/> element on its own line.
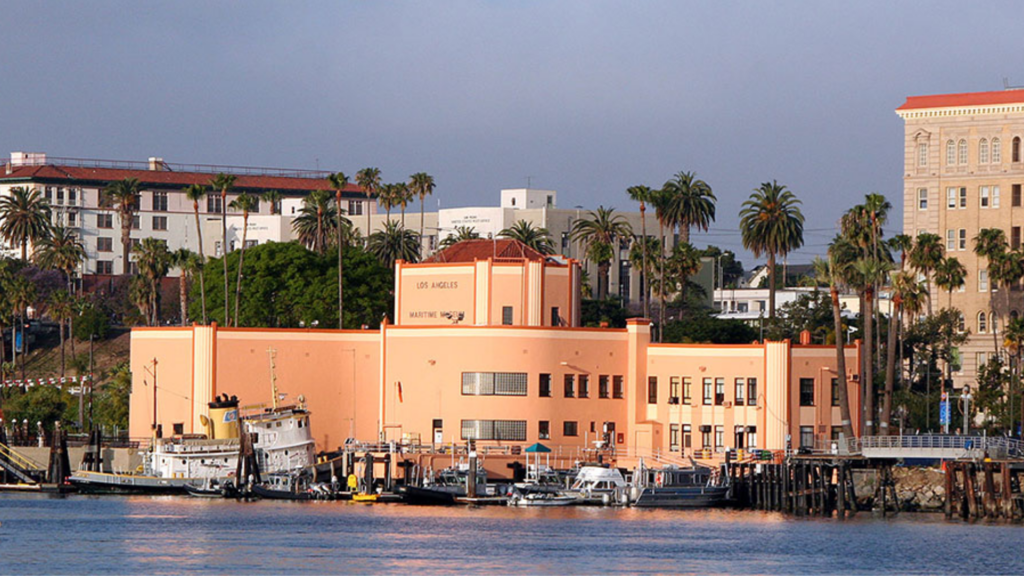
<point x="944" y="412"/>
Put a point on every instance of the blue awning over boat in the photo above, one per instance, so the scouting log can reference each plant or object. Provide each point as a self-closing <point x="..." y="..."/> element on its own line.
<point x="537" y="448"/>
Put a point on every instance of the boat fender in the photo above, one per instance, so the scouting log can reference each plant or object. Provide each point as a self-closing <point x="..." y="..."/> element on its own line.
<point x="659" y="479"/>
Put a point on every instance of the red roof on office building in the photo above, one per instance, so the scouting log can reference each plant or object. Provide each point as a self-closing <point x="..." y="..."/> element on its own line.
<point x="966" y="99"/>
<point x="499" y="249"/>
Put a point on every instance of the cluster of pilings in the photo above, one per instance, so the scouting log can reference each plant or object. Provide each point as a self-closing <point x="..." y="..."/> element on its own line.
<point x="985" y="490"/>
<point x="801" y="486"/>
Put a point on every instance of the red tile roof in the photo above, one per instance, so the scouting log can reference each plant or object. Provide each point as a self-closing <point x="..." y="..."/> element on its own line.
<point x="163" y="178"/>
<point x="499" y="249"/>
<point x="967" y="99"/>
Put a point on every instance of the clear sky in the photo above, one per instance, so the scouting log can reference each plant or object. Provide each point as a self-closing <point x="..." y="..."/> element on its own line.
<point x="587" y="98"/>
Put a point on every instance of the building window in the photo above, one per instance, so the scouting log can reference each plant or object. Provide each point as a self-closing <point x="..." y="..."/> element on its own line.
<point x="741" y="384"/>
<point x="738" y="434"/>
<point x="494" y="383"/>
<point x="707" y="391"/>
<point x="673" y="437"/>
<point x="997" y="151"/>
<point x="995" y="196"/>
<point x="982" y="280"/>
<point x="719" y="438"/>
<point x="602" y="386"/>
<point x="807" y="437"/>
<point x="556" y="318"/>
<point x="545" y="386"/>
<point x="719" y="391"/>
<point x="570" y="385"/>
<point x="686" y="390"/>
<point x="652" y="390"/>
<point x="1015" y="196"/>
<point x="951" y="198"/>
<point x="983" y="196"/>
<point x="136" y="222"/>
<point x="214" y="204"/>
<point x="544" y="430"/>
<point x="751" y="437"/>
<point x="950" y="153"/>
<point x="982" y="323"/>
<point x="60" y="195"/>
<point x="807" y="391"/>
<point x="105" y="221"/>
<point x="1015" y="149"/>
<point x="673" y="390"/>
<point x="104" y="244"/>
<point x="922" y="198"/>
<point x="159" y="222"/>
<point x="983" y="151"/>
<point x="922" y="154"/>
<point x="961" y="149"/>
<point x="981" y="358"/>
<point x="617" y="387"/>
<point x="584" y="386"/>
<point x="961" y="323"/>
<point x="705" y="436"/>
<point x="159" y="201"/>
<point x="835" y="391"/>
<point x="687" y="437"/>
<point x="962" y="241"/>
<point x="511" y="430"/>
<point x="963" y="197"/>
<point x="506" y="315"/>
<point x="751" y="391"/>
<point x="48" y="194"/>
<point x="72" y="219"/>
<point x="569" y="429"/>
<point x="950" y="240"/>
<point x="355" y="207"/>
<point x="104" y="267"/>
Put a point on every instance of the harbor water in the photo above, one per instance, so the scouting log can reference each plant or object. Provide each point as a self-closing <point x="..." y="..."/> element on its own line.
<point x="171" y="535"/>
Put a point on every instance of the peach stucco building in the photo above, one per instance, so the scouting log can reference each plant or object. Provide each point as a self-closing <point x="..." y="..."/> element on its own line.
<point x="496" y="376"/>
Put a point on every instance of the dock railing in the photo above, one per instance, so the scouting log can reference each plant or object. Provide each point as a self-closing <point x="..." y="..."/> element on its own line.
<point x="936" y="446"/>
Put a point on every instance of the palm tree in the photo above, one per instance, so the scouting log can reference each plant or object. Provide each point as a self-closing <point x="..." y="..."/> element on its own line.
<point x="664" y="212"/>
<point x="24" y="217"/>
<point x="273" y="199"/>
<point x="246" y="203"/>
<point x="990" y="243"/>
<point x="421" y="184"/>
<point x="189" y="263"/>
<point x="387" y="198"/>
<point x="403" y="195"/>
<point x="369" y="180"/>
<point x="224" y="182"/>
<point x="1013" y="341"/>
<point x="124" y="196"/>
<point x="925" y="256"/>
<point x="339" y="181"/>
<point x="638" y="258"/>
<point x="693" y="203"/>
<point x="537" y="238"/>
<point x="22" y="294"/>
<point x="60" y="250"/>
<point x="394" y="243"/>
<point x="316" y="221"/>
<point x="950" y="275"/>
<point x="771" y="223"/>
<point x="642" y="194"/>
<point x="864" y="274"/>
<point x="830" y="271"/>
<point x="598" y="233"/>
<point x="460" y="234"/>
<point x="684" y="263"/>
<point x="195" y="193"/>
<point x="61" y="306"/>
<point x="901" y="284"/>
<point x="154" y="262"/>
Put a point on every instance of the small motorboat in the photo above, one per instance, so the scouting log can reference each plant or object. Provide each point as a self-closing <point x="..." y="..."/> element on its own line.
<point x="599" y="485"/>
<point x="366" y="498"/>
<point x="212" y="488"/>
<point x="541" y="499"/>
<point x="672" y="487"/>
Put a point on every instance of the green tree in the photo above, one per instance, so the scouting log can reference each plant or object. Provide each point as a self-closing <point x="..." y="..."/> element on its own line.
<point x="639" y="258"/>
<point x="154" y="261"/>
<point x="771" y="223"/>
<point x="224" y="182"/>
<point x="460" y="234"/>
<point x="245" y="203"/>
<point x="925" y="256"/>
<point x="46" y="404"/>
<point x="24" y="217"/>
<point x="608" y="312"/>
<point x="683" y="264"/>
<point x="692" y="203"/>
<point x="700" y="327"/>
<point x="394" y="243"/>
<point x="537" y="238"/>
<point x="369" y="180"/>
<point x="339" y="181"/>
<point x="598" y="233"/>
<point x="422" y="185"/>
<point x="642" y="195"/>
<point x="830" y="271"/>
<point x="949" y="275"/>
<point x="60" y="250"/>
<point x="403" y="195"/>
<point x="195" y="193"/>
<point x="317" y="221"/>
<point x="123" y="195"/>
<point x="189" y="263"/>
<point x="273" y="199"/>
<point x="22" y="294"/>
<point x="112" y="400"/>
<point x="61" y="308"/>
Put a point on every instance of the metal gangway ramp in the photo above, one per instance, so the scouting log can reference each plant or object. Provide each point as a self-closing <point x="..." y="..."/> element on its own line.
<point x="937" y="446"/>
<point x="26" y="470"/>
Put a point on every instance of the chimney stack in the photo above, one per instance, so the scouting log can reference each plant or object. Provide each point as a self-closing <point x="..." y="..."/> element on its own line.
<point x="805" y="338"/>
<point x="156" y="164"/>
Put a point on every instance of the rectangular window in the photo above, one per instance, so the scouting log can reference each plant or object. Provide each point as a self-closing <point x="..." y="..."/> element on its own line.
<point x="981" y="358"/>
<point x="494" y="383"/>
<point x="707" y="391"/>
<point x="72" y="196"/>
<point x="982" y="280"/>
<point x="962" y="243"/>
<point x="60" y="195"/>
<point x="922" y="198"/>
<point x="556" y="318"/>
<point x="355" y="208"/>
<point x="544" y="430"/>
<point x="751" y="437"/>
<point x="751" y="391"/>
<point x="922" y="154"/>
<point x="104" y="244"/>
<point x="719" y="437"/>
<point x="506" y="315"/>
<point x="214" y="203"/>
<point x="1015" y="237"/>
<point x="104" y="267"/>
<point x="616" y="386"/>
<point x="159" y="222"/>
<point x="159" y="201"/>
<point x="136" y="222"/>
<point x="686" y="390"/>
<point x="569" y="429"/>
<point x="584" y="386"/>
<point x="951" y="198"/>
<point x="807" y="437"/>
<point x="602" y="386"/>
<point x="570" y="385"/>
<point x="673" y="390"/>
<point x="72" y="219"/>
<point x="741" y="385"/>
<point x="738" y="437"/>
<point x="673" y="437"/>
<point x="807" y="391"/>
<point x="719" y="391"/>
<point x="687" y="437"/>
<point x="705" y="436"/>
<point x="652" y="390"/>
<point x="963" y="198"/>
<point x="105" y="221"/>
<point x="48" y="194"/>
<point x="545" y="386"/>
<point x="1015" y="196"/>
<point x="511" y="430"/>
<point x="995" y="196"/>
<point x="983" y="196"/>
<point x="835" y="391"/>
<point x="950" y="240"/>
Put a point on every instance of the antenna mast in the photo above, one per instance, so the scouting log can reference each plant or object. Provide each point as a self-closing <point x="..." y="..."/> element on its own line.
<point x="273" y="378"/>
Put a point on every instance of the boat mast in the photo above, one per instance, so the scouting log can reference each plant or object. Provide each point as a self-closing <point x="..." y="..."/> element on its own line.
<point x="273" y="378"/>
<point x="153" y="374"/>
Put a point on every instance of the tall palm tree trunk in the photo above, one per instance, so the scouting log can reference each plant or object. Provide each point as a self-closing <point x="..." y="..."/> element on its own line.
<point x="368" y="223"/>
<point x="341" y="246"/>
<point x="202" y="262"/>
<point x="183" y="297"/>
<point x="224" y="250"/>
<point x="62" y="364"/>
<point x="126" y="244"/>
<point x="869" y="366"/>
<point x="661" y="284"/>
<point x="24" y="249"/>
<point x="771" y="286"/>
<point x="890" y="370"/>
<point x="422" y="200"/>
<point x="403" y="216"/>
<point x="844" y="393"/>
<point x="241" y="259"/>
<point x="644" y="298"/>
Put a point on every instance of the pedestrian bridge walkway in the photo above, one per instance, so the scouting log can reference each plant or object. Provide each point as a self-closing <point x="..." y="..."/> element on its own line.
<point x="937" y="446"/>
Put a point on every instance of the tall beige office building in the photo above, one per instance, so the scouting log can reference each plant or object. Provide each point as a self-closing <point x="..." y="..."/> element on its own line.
<point x="963" y="173"/>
